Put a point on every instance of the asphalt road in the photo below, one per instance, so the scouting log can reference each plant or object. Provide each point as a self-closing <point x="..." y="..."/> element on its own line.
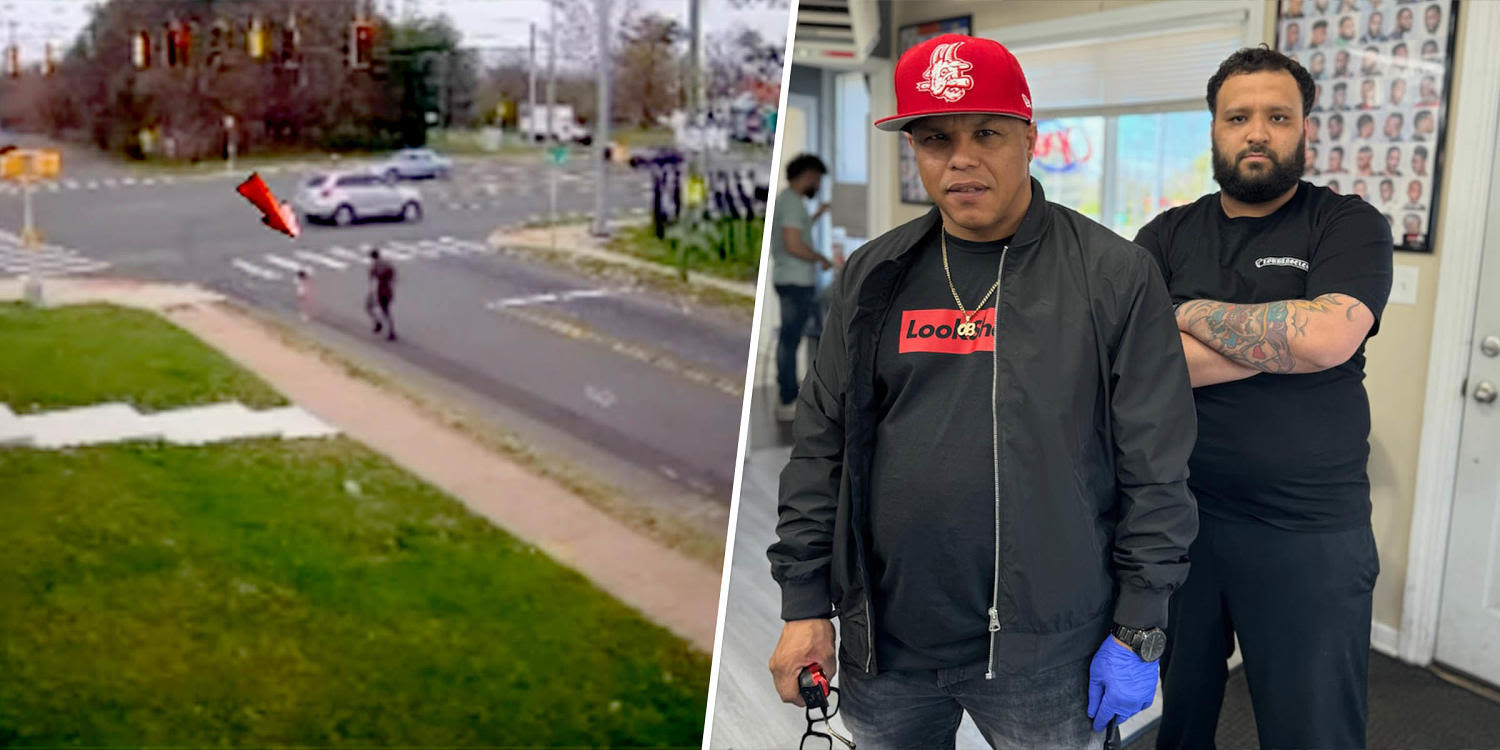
<point x="618" y="368"/>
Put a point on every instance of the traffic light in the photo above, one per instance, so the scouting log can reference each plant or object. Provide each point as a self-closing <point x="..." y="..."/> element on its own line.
<point x="256" y="40"/>
<point x="361" y="44"/>
<point x="184" y="45"/>
<point x="140" y="49"/>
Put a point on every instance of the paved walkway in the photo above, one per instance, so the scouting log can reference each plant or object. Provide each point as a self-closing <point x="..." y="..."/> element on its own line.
<point x="670" y="589"/>
<point x="577" y="239"/>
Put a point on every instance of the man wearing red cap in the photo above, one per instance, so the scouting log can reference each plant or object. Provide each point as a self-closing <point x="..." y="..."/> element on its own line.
<point x="1279" y="283"/>
<point x="987" y="484"/>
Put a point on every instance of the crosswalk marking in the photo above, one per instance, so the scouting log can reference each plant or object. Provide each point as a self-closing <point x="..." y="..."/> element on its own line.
<point x="255" y="270"/>
<point x="273" y="266"/>
<point x="277" y="260"/>
<point x="320" y="260"/>
<point x="47" y="260"/>
<point x="428" y="249"/>
<point x="347" y="254"/>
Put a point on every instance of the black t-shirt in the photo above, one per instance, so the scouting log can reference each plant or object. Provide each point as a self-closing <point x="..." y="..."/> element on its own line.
<point x="1287" y="450"/>
<point x="932" y="505"/>
<point x="384" y="275"/>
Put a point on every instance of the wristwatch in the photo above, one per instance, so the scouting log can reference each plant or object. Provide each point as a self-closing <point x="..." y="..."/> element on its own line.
<point x="1147" y="644"/>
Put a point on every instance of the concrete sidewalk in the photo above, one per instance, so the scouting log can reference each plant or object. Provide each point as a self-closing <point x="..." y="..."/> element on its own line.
<point x="578" y="240"/>
<point x="668" y="588"/>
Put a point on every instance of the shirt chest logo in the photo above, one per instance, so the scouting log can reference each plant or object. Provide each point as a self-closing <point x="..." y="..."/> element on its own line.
<point x="1287" y="262"/>
<point x="945" y="332"/>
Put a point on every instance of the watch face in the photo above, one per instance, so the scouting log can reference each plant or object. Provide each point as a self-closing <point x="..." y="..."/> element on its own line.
<point x="1153" y="643"/>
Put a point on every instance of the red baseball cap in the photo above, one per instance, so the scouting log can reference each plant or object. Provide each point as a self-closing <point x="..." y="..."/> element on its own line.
<point x="955" y="74"/>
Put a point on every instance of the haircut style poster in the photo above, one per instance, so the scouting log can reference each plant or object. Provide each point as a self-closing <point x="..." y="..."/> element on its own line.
<point x="1382" y="70"/>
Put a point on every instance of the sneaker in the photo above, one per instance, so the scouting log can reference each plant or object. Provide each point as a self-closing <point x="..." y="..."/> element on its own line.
<point x="786" y="412"/>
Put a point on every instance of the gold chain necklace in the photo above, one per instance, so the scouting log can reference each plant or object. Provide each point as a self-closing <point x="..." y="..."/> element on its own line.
<point x="969" y="329"/>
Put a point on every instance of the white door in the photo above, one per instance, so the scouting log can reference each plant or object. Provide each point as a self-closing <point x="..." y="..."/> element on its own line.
<point x="1469" y="625"/>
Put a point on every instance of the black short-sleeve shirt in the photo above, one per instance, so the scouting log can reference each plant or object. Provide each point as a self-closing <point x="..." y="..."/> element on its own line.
<point x="1286" y="450"/>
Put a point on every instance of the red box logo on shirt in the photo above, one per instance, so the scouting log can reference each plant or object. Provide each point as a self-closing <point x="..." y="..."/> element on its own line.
<point x="943" y="332"/>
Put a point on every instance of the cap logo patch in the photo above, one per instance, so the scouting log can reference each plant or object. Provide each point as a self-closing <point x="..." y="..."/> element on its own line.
<point x="945" y="77"/>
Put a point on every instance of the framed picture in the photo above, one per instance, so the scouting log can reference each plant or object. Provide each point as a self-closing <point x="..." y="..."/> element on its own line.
<point x="1382" y="73"/>
<point x="906" y="38"/>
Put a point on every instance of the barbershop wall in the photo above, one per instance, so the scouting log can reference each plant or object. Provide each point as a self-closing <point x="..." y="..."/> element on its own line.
<point x="1397" y="357"/>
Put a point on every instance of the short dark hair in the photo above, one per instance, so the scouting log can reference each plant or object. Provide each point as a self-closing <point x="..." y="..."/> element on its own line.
<point x="1256" y="60"/>
<point x="804" y="163"/>
<point x="1419" y="151"/>
<point x="1423" y="114"/>
<point x="1364" y="119"/>
<point x="1320" y="23"/>
<point x="375" y="253"/>
<point x="1339" y="149"/>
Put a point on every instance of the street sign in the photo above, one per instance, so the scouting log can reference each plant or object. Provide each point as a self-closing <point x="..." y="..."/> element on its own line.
<point x="697" y="190"/>
<point x="49" y="163"/>
<point x="22" y="164"/>
<point x="558" y="154"/>
<point x="13" y="165"/>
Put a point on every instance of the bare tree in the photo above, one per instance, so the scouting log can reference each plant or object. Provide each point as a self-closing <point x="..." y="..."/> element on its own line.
<point x="648" y="69"/>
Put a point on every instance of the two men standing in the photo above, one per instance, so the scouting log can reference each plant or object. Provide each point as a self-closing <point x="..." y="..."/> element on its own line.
<point x="1002" y="534"/>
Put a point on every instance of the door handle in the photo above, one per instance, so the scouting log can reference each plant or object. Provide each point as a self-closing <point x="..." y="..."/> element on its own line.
<point x="1485" y="392"/>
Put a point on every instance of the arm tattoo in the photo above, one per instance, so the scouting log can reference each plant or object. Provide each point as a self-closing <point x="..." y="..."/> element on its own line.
<point x="1253" y="335"/>
<point x="1258" y="336"/>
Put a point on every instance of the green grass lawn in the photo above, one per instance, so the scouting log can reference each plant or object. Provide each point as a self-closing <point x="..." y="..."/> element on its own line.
<point x="78" y="356"/>
<point x="269" y="593"/>
<point x="248" y="594"/>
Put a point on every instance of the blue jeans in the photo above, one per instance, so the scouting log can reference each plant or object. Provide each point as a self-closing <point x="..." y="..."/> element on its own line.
<point x="796" y="308"/>
<point x="895" y="710"/>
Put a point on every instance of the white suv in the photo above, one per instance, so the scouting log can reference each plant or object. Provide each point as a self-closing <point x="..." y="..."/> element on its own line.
<point x="346" y="197"/>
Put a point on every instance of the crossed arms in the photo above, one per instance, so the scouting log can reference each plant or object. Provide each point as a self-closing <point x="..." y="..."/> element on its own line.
<point x="1224" y="341"/>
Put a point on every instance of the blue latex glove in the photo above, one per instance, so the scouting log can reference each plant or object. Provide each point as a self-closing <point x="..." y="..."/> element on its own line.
<point x="1120" y="684"/>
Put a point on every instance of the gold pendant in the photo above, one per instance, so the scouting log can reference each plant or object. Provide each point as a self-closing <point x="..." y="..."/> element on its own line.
<point x="968" y="330"/>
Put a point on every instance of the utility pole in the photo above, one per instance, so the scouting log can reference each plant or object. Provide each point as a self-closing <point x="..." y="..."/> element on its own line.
<point x="531" y="90"/>
<point x="552" y="163"/>
<point x="551" y="69"/>
<point x="601" y="133"/>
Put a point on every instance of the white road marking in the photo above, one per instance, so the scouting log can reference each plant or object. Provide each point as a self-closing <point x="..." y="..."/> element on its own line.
<point x="537" y="299"/>
<point x="603" y="397"/>
<point x="320" y="260"/>
<point x="277" y="260"/>
<point x="255" y="270"/>
<point x="347" y="254"/>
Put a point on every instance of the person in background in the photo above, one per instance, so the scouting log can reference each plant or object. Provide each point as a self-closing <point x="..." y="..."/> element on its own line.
<point x="305" y="301"/>
<point x="794" y="271"/>
<point x="381" y="294"/>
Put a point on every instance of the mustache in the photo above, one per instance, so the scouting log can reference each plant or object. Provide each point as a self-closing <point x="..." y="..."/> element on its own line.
<point x="1257" y="151"/>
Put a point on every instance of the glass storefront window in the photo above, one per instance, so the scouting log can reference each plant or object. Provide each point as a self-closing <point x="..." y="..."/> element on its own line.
<point x="1152" y="162"/>
<point x="1069" y="162"/>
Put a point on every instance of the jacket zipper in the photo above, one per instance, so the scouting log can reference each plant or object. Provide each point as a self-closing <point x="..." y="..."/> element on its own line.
<point x="994" y="613"/>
